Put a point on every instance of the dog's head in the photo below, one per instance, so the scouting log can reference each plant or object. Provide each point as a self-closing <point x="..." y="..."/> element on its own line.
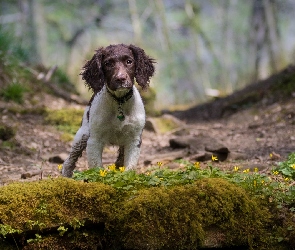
<point x="118" y="66"/>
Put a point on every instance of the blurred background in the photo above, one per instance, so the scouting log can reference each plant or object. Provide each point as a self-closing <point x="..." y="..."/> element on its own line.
<point x="203" y="48"/>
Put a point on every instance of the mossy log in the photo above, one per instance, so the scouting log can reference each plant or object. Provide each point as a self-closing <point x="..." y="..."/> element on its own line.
<point x="277" y="87"/>
<point x="65" y="214"/>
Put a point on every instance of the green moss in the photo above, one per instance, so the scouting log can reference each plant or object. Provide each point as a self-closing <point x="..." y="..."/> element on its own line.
<point x="24" y="110"/>
<point x="14" y="92"/>
<point x="66" y="137"/>
<point x="48" y="203"/>
<point x="177" y="218"/>
<point x="165" y="124"/>
<point x="66" y="214"/>
<point x="67" y="120"/>
<point x="285" y="85"/>
<point x="149" y="98"/>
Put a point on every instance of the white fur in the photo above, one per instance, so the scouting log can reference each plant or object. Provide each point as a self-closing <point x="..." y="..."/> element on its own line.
<point x="104" y="128"/>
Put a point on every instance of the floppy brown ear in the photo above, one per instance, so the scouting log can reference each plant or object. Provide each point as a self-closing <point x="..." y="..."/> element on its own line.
<point x="92" y="72"/>
<point x="144" y="66"/>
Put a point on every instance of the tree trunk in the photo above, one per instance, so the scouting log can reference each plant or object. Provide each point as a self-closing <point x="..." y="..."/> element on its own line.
<point x="135" y="22"/>
<point x="257" y="36"/>
<point x="32" y="36"/>
<point x="274" y="44"/>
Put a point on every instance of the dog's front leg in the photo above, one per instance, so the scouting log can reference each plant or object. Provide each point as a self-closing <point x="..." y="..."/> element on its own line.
<point x="94" y="153"/>
<point x="79" y="144"/>
<point x="131" y="154"/>
<point x="70" y="163"/>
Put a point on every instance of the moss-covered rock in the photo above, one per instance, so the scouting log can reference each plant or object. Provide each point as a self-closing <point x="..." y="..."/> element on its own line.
<point x="178" y="218"/>
<point x="67" y="214"/>
<point x="45" y="206"/>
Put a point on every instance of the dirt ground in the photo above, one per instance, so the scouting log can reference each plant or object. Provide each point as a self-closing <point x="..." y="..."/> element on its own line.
<point x="255" y="133"/>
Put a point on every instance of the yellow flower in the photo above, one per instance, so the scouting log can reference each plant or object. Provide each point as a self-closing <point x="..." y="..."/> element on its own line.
<point x="255" y="183"/>
<point x="270" y="155"/>
<point x="293" y="166"/>
<point x="102" y="173"/>
<point x="112" y="167"/>
<point x="159" y="164"/>
<point x="59" y="166"/>
<point x="256" y="170"/>
<point x="214" y="158"/>
<point x="262" y="181"/>
<point x="236" y="168"/>
<point x="122" y="169"/>
<point x="197" y="164"/>
<point x="286" y="179"/>
<point x="246" y="170"/>
<point x="275" y="172"/>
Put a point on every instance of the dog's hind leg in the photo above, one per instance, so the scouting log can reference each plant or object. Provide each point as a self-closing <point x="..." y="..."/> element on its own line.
<point x="79" y="144"/>
<point x="120" y="159"/>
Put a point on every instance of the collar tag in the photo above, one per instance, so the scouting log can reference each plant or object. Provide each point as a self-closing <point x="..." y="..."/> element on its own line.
<point x="120" y="101"/>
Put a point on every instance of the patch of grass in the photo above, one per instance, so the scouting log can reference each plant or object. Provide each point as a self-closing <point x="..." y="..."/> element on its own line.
<point x="13" y="92"/>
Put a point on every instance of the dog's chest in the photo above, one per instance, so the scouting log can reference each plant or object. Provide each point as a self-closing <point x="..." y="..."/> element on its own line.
<point x="107" y="127"/>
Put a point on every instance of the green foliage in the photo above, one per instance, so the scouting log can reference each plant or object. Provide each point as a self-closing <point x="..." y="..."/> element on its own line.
<point x="36" y="240"/>
<point x="270" y="188"/>
<point x="287" y="168"/>
<point x="7" y="229"/>
<point x="13" y="92"/>
<point x="66" y="120"/>
<point x="63" y="81"/>
<point x="9" y="45"/>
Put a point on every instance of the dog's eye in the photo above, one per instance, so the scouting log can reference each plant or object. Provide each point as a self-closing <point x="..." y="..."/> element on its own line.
<point x="108" y="64"/>
<point x="129" y="61"/>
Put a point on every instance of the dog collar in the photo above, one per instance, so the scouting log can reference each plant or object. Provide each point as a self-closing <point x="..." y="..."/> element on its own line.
<point x="121" y="101"/>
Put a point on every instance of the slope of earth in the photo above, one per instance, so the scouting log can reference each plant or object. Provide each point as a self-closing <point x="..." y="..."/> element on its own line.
<point x="250" y="132"/>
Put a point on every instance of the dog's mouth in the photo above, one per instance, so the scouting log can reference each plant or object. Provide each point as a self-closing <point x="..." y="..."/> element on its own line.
<point x="119" y="86"/>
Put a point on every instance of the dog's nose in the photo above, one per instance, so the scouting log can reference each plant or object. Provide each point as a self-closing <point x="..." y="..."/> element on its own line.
<point x="121" y="76"/>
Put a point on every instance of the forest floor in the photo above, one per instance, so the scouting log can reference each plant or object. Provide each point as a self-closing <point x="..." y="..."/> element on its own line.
<point x="261" y="135"/>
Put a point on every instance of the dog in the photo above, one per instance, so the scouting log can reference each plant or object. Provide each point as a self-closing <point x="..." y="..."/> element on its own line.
<point x="115" y="114"/>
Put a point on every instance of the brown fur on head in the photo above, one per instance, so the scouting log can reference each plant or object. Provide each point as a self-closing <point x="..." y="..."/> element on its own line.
<point x="95" y="71"/>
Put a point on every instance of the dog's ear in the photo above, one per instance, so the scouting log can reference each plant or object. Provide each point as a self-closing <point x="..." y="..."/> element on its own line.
<point x="92" y="72"/>
<point x="144" y="66"/>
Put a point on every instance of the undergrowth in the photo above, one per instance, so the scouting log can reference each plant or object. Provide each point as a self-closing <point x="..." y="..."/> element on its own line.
<point x="276" y="190"/>
<point x="274" y="187"/>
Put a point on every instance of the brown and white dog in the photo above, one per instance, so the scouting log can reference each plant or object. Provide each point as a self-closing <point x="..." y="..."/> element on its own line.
<point x="115" y="114"/>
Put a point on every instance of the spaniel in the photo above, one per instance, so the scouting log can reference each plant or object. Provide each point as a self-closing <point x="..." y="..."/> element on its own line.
<point x="115" y="114"/>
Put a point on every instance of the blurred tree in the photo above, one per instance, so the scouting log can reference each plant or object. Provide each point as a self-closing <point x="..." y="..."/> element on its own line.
<point x="198" y="44"/>
<point x="264" y="36"/>
<point x="135" y="22"/>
